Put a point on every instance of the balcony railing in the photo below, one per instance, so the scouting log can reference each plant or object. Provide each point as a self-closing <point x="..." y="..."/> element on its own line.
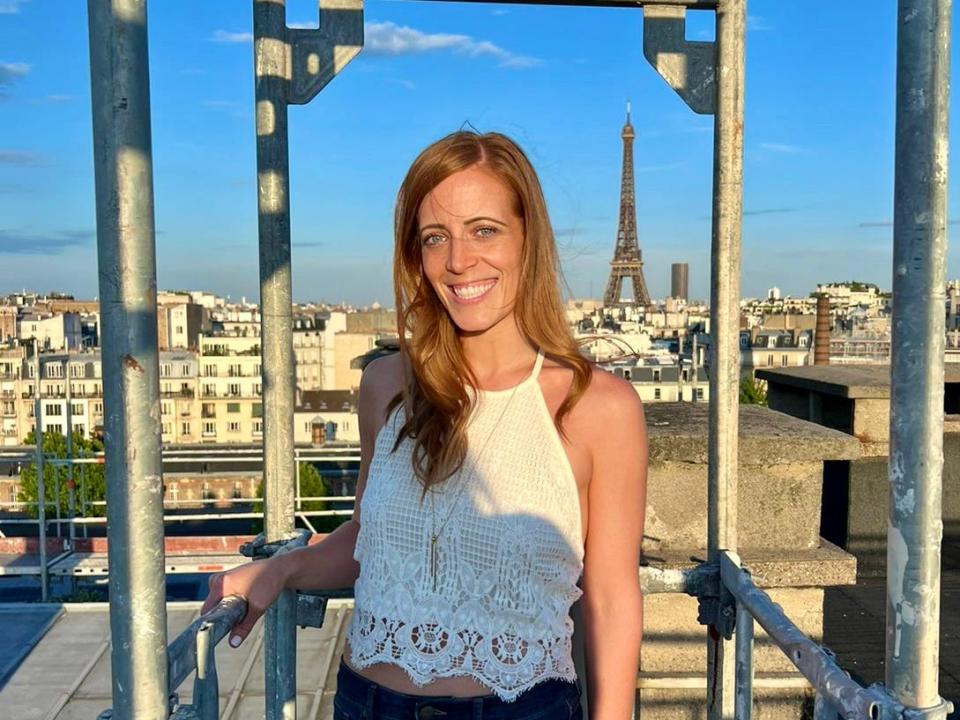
<point x="181" y="393"/>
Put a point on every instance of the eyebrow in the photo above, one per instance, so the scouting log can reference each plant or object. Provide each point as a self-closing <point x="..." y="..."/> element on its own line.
<point x="472" y="220"/>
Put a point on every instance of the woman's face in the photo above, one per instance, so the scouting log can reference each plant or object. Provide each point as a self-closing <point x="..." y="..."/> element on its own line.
<point x="471" y="241"/>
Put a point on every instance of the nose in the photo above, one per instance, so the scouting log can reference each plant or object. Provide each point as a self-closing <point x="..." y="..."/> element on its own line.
<point x="460" y="256"/>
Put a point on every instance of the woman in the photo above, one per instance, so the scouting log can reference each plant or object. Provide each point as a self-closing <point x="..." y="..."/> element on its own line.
<point x="497" y="466"/>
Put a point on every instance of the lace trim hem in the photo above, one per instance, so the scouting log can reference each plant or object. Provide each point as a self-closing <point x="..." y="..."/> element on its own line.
<point x="421" y="680"/>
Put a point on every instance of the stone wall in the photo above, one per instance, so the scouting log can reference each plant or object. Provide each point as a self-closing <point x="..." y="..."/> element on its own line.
<point x="781" y="460"/>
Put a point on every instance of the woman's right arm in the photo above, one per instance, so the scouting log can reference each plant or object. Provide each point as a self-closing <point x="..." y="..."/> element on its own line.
<point x="329" y="564"/>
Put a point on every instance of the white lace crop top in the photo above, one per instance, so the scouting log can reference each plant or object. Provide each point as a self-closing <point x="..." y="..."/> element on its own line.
<point x="507" y="560"/>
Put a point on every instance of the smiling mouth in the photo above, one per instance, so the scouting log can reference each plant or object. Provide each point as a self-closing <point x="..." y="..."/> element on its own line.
<point x="472" y="291"/>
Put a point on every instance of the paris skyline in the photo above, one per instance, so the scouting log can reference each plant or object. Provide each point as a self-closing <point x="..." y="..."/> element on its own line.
<point x="818" y="144"/>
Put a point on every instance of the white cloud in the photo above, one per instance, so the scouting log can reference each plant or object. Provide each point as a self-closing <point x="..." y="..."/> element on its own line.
<point x="11" y="71"/>
<point x="407" y="84"/>
<point x="222" y="36"/>
<point x="781" y="148"/>
<point x="10" y="7"/>
<point x="387" y="38"/>
<point x="757" y="23"/>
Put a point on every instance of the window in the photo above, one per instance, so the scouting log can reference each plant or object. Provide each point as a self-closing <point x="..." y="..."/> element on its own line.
<point x="54" y="370"/>
<point x="164" y="408"/>
<point x="257" y="389"/>
<point x="769" y="360"/>
<point x="98" y="408"/>
<point x="256" y="410"/>
<point x="55" y="428"/>
<point x="234" y="389"/>
<point x="76" y="409"/>
<point x="165" y="387"/>
<point x="185" y="370"/>
<point x="783" y="360"/>
<point x="233" y="407"/>
<point x="9" y="408"/>
<point x="685" y="374"/>
<point x="209" y="390"/>
<point x="80" y="429"/>
<point x="258" y="427"/>
<point x="233" y="427"/>
<point x="209" y="428"/>
<point x="656" y="376"/>
<point x="185" y="428"/>
<point x="656" y="393"/>
<point x="699" y="393"/>
<point x="167" y="428"/>
<point x="235" y="370"/>
<point x="165" y="369"/>
<point x="209" y="370"/>
<point x="56" y="409"/>
<point x="179" y="329"/>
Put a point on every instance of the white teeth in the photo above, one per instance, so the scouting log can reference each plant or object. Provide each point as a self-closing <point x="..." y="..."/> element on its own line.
<point x="468" y="292"/>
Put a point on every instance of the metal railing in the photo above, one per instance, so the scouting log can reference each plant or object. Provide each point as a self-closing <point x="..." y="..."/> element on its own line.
<point x="291" y="66"/>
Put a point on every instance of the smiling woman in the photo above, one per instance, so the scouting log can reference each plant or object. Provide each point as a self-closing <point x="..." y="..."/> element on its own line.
<point x="502" y="476"/>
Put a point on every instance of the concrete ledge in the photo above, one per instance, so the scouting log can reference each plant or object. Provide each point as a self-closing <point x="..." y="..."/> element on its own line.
<point x="678" y="431"/>
<point x="846" y="381"/>
<point x="824" y="566"/>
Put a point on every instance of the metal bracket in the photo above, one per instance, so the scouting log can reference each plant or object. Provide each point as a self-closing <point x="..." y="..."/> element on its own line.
<point x="259" y="547"/>
<point x="689" y="67"/>
<point x="311" y="609"/>
<point x="717" y="608"/>
<point x="940" y="711"/>
<point x="318" y="54"/>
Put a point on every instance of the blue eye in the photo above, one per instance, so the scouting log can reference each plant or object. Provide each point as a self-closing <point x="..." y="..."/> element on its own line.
<point x="431" y="240"/>
<point x="486" y="231"/>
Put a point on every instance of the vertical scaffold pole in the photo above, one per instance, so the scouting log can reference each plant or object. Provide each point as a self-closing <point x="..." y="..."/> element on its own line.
<point x="272" y="70"/>
<point x="71" y="484"/>
<point x="725" y="327"/>
<point x="41" y="485"/>
<point x="915" y="527"/>
<point x="123" y="165"/>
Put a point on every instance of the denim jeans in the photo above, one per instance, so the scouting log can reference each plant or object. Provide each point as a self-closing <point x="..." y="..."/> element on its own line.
<point x="358" y="698"/>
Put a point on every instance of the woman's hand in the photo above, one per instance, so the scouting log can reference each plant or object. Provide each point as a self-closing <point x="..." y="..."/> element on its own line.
<point x="258" y="582"/>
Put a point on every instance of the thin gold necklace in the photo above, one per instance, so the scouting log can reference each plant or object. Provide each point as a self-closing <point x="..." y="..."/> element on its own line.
<point x="435" y="534"/>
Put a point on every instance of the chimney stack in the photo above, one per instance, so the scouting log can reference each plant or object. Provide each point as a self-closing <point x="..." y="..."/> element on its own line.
<point x="821" y="340"/>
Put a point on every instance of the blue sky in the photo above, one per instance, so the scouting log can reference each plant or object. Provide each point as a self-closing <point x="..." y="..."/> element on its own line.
<point x="818" y="142"/>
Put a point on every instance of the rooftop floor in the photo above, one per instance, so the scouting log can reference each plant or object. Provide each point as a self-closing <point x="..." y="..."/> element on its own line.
<point x="854" y="626"/>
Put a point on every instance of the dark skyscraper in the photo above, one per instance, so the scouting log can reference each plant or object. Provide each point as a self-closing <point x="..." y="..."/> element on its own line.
<point x="679" y="279"/>
<point x="627" y="261"/>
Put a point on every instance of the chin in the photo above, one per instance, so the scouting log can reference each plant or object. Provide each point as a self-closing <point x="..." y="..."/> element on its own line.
<point x="469" y="323"/>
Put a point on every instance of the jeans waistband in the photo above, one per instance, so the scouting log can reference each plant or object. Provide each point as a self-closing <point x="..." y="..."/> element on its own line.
<point x="382" y="701"/>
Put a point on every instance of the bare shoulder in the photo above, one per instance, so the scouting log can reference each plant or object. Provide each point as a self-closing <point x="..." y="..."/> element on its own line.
<point x="381" y="380"/>
<point x="611" y="408"/>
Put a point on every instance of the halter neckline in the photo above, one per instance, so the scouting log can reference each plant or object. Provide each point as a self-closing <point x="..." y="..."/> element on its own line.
<point x="537" y="365"/>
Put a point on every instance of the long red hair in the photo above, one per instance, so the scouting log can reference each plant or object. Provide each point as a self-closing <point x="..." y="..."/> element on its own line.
<point x="434" y="396"/>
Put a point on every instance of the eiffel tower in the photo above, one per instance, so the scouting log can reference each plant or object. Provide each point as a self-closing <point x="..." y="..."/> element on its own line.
<point x="627" y="261"/>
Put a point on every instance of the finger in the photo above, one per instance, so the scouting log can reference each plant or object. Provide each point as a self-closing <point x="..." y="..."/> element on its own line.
<point x="212" y="600"/>
<point x="243" y="628"/>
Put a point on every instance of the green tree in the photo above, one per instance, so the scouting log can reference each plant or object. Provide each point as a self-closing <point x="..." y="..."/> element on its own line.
<point x="752" y="391"/>
<point x="89" y="477"/>
<point x="312" y="484"/>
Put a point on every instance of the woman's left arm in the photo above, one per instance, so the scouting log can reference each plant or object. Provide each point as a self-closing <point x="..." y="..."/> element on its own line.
<point x="612" y="603"/>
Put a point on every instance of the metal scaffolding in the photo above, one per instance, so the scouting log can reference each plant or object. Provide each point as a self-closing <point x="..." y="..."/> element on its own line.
<point x="291" y="67"/>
